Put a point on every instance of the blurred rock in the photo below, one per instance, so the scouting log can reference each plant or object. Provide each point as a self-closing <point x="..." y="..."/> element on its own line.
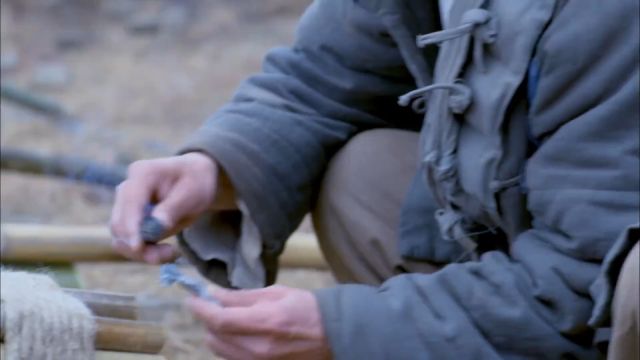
<point x="9" y="60"/>
<point x="176" y="16"/>
<point x="31" y="100"/>
<point x="72" y="39"/>
<point x="51" y="76"/>
<point x="119" y="9"/>
<point x="144" y="25"/>
<point x="95" y="196"/>
<point x="124" y="159"/>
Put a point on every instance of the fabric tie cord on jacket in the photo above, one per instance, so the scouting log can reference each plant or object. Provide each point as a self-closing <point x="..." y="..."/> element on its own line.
<point x="451" y="229"/>
<point x="480" y="24"/>
<point x="459" y="97"/>
<point x="477" y="25"/>
<point x="477" y="22"/>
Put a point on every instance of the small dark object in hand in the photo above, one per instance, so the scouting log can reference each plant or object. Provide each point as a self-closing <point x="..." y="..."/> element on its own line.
<point x="151" y="229"/>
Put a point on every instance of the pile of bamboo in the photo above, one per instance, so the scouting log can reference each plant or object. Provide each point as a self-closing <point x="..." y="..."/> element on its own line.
<point x="120" y="332"/>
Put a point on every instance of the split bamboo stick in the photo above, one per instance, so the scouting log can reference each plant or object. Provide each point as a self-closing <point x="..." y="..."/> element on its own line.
<point x="106" y="304"/>
<point x="63" y="244"/>
<point x="123" y="306"/>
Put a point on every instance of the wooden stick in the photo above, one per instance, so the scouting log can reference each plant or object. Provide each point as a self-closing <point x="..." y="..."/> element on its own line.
<point x="69" y="168"/>
<point x="61" y="244"/>
<point x="302" y="251"/>
<point x="55" y="244"/>
<point x="119" y="355"/>
<point x="129" y="336"/>
<point x="107" y="304"/>
<point x="111" y="355"/>
<point x="123" y="306"/>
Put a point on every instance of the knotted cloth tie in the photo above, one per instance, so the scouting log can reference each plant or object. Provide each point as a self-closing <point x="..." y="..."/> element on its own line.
<point x="41" y="322"/>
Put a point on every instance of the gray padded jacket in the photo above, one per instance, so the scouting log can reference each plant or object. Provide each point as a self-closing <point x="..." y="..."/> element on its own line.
<point x="530" y="145"/>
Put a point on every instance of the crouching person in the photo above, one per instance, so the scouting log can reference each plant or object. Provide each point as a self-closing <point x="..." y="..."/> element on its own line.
<point x="468" y="166"/>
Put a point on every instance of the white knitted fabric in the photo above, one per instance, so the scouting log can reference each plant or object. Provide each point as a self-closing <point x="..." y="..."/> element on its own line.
<point x="40" y="321"/>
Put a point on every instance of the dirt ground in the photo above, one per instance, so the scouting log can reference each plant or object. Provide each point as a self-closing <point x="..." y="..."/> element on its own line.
<point x="137" y="76"/>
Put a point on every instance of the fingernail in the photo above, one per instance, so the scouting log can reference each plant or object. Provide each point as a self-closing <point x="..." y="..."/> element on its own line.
<point x="134" y="244"/>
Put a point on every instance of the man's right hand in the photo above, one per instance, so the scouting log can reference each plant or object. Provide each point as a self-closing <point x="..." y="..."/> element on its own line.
<point x="181" y="187"/>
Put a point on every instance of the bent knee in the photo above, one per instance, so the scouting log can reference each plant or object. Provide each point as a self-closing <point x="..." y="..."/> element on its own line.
<point x="628" y="284"/>
<point x="370" y="162"/>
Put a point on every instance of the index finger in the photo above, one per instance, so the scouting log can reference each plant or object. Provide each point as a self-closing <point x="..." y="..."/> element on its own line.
<point x="248" y="297"/>
<point x="128" y="208"/>
<point x="238" y="320"/>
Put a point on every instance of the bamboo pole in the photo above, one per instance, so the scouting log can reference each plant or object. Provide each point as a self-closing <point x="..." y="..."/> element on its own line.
<point x="123" y="306"/>
<point x="126" y="335"/>
<point x="129" y="336"/>
<point x="107" y="304"/>
<point x="119" y="355"/>
<point x="112" y="355"/>
<point x="55" y="244"/>
<point x="62" y="244"/>
<point x="31" y="100"/>
<point x="66" y="167"/>
<point x="302" y="251"/>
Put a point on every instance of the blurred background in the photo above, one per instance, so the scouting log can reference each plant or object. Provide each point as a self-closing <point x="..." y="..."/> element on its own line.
<point x="114" y="81"/>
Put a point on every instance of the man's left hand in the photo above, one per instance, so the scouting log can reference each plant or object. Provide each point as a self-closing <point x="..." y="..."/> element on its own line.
<point x="276" y="322"/>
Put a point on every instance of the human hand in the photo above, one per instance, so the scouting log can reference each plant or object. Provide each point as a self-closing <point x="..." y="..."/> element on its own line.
<point x="276" y="322"/>
<point x="182" y="187"/>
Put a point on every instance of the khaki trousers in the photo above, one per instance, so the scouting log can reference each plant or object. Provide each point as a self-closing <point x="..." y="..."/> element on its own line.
<point x="358" y="212"/>
<point x="625" y="336"/>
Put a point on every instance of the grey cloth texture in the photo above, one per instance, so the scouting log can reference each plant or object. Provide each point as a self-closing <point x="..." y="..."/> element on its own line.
<point x="557" y="176"/>
<point x="235" y="248"/>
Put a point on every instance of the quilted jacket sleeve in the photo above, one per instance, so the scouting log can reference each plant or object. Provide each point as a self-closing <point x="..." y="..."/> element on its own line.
<point x="342" y="75"/>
